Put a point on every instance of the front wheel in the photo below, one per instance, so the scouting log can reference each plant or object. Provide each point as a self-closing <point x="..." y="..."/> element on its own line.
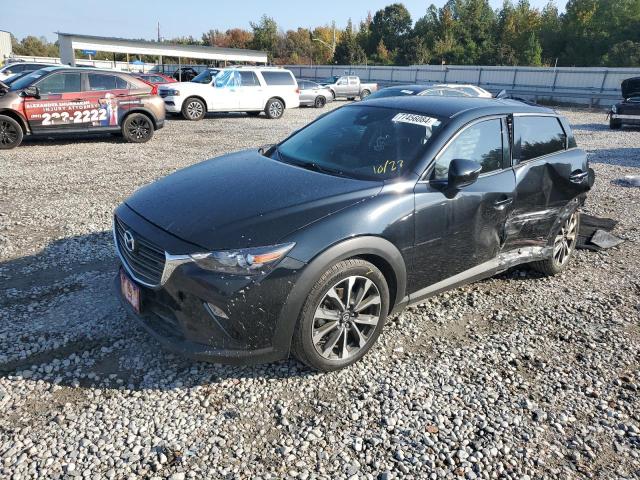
<point x="274" y="108"/>
<point x="137" y="128"/>
<point x="364" y="94"/>
<point x="614" y="124"/>
<point x="11" y="133"/>
<point x="193" y="109"/>
<point x="564" y="244"/>
<point x="342" y="317"/>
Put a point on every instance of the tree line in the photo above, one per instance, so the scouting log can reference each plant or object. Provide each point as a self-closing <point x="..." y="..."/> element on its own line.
<point x="462" y="32"/>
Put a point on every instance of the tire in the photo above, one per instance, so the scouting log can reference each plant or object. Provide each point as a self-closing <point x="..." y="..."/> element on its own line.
<point x="614" y="124"/>
<point x="351" y="99"/>
<point x="564" y="245"/>
<point x="254" y="114"/>
<point x="11" y="133"/>
<point x="321" y="310"/>
<point x="137" y="128"/>
<point x="274" y="109"/>
<point x="333" y="94"/>
<point x="320" y="102"/>
<point x="364" y="94"/>
<point x="193" y="109"/>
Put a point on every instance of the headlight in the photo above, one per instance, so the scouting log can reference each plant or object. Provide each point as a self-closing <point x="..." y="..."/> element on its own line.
<point x="614" y="109"/>
<point x="244" y="261"/>
<point x="173" y="93"/>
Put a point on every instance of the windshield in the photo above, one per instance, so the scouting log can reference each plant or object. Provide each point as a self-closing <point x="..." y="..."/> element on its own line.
<point x="362" y="142"/>
<point x="206" y="76"/>
<point x="27" y="80"/>
<point x="390" y="92"/>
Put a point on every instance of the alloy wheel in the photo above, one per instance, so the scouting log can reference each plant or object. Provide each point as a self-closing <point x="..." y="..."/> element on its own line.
<point x="565" y="240"/>
<point x="275" y="109"/>
<point x="139" y="128"/>
<point x="346" y="318"/>
<point x="8" y="133"/>
<point x="195" y="109"/>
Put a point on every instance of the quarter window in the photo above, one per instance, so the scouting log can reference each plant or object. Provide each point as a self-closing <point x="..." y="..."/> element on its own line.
<point x="278" y="78"/>
<point x="99" y="82"/>
<point x="60" y="83"/>
<point x="536" y="137"/>
<point x="481" y="143"/>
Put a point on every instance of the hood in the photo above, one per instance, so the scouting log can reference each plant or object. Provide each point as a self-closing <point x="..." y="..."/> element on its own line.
<point x="630" y="87"/>
<point x="244" y="199"/>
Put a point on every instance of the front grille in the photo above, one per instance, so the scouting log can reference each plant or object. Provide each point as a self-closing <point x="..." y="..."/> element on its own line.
<point x="146" y="261"/>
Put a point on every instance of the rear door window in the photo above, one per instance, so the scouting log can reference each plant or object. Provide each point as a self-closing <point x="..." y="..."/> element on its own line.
<point x="60" y="83"/>
<point x="278" y="78"/>
<point x="536" y="137"/>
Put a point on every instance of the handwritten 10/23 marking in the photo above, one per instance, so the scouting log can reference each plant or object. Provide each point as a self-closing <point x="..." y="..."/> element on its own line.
<point x="80" y="116"/>
<point x="389" y="165"/>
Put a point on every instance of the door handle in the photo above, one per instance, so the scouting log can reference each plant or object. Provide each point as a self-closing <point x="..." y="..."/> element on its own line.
<point x="502" y="203"/>
<point x="578" y="176"/>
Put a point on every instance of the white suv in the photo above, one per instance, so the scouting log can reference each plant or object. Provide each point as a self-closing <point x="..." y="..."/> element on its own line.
<point x="238" y="89"/>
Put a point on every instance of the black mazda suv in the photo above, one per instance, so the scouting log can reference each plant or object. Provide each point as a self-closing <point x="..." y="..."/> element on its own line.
<point x="307" y="245"/>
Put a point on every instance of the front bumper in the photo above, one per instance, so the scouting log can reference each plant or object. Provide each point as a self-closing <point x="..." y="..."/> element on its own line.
<point x="172" y="104"/>
<point x="626" y="117"/>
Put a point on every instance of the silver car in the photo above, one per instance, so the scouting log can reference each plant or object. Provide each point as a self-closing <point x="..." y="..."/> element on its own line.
<point x="314" y="95"/>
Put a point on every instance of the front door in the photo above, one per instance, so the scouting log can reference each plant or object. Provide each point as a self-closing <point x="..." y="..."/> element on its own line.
<point x="225" y="93"/>
<point x="342" y="87"/>
<point x="61" y="106"/>
<point x="460" y="233"/>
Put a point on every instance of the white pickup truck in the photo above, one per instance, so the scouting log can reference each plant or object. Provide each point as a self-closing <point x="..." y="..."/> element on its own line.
<point x="350" y="87"/>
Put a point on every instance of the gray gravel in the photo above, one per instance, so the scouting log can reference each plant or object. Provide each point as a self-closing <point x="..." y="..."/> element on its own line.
<point x="515" y="377"/>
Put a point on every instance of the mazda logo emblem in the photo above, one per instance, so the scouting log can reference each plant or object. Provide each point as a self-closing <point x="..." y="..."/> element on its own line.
<point x="129" y="241"/>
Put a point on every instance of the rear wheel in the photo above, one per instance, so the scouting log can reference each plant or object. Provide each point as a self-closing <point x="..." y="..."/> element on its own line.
<point x="274" y="108"/>
<point x="11" y="133"/>
<point x="364" y="94"/>
<point x="320" y="102"/>
<point x="137" y="128"/>
<point x="193" y="109"/>
<point x="342" y="317"/>
<point x="614" y="124"/>
<point x="564" y="245"/>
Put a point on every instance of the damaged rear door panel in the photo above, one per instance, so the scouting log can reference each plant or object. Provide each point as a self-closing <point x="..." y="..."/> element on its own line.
<point x="551" y="176"/>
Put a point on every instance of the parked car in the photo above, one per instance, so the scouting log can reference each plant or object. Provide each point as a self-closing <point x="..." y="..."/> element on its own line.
<point x="21" y="67"/>
<point x="185" y="74"/>
<point x="313" y="94"/>
<point x="350" y="87"/>
<point x="329" y="81"/>
<point x="67" y="100"/>
<point x="240" y="89"/>
<point x="155" y="78"/>
<point x="627" y="111"/>
<point x="406" y="90"/>
<point x="471" y="90"/>
<point x="307" y="245"/>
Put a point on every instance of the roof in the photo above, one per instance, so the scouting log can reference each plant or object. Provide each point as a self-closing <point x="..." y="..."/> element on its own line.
<point x="449" y="107"/>
<point x="124" y="45"/>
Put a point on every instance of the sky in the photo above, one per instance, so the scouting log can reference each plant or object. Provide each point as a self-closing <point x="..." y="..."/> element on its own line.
<point x="138" y="19"/>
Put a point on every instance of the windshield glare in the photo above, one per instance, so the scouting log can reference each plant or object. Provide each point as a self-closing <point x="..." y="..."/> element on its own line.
<point x="25" y="81"/>
<point x="362" y="142"/>
<point x="390" y="92"/>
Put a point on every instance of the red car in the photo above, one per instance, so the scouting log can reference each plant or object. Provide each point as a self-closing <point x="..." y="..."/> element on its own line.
<point x="155" y="78"/>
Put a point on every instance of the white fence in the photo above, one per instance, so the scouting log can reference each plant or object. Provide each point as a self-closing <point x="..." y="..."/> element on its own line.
<point x="573" y="85"/>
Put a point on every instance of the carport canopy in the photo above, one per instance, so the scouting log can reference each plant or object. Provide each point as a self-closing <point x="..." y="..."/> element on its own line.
<point x="70" y="41"/>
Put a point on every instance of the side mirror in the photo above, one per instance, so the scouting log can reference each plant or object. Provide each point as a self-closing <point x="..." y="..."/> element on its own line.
<point x="463" y="173"/>
<point x="31" y="92"/>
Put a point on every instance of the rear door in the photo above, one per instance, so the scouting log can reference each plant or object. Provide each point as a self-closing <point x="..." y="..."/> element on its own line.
<point x="110" y="98"/>
<point x="61" y="106"/>
<point x="550" y="172"/>
<point x="251" y="92"/>
<point x="458" y="231"/>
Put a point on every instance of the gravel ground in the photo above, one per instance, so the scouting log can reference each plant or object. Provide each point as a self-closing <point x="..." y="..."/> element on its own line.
<point x="517" y="376"/>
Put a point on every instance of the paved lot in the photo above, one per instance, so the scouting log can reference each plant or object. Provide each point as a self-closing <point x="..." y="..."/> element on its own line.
<point x="515" y="377"/>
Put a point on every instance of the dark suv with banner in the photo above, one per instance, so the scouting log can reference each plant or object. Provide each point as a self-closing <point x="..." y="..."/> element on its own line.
<point x="67" y="100"/>
<point x="627" y="111"/>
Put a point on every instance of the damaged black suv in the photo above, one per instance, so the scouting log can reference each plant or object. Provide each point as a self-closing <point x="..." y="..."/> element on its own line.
<point x="627" y="111"/>
<point x="306" y="246"/>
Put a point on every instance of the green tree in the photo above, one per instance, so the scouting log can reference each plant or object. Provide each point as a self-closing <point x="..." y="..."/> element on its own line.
<point x="35" y="47"/>
<point x="265" y="36"/>
<point x="623" y="54"/>
<point x="390" y="25"/>
<point x="551" y="33"/>
<point x="348" y="51"/>
<point x="413" y="51"/>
